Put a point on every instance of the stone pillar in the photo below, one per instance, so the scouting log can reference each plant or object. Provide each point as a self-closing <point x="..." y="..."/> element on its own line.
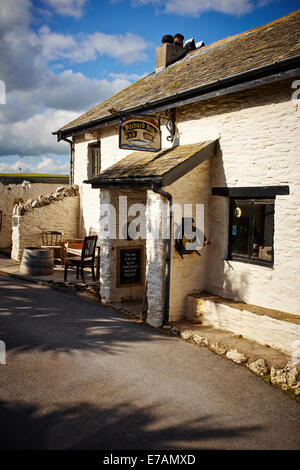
<point x="105" y="244"/>
<point x="155" y="267"/>
<point x="16" y="252"/>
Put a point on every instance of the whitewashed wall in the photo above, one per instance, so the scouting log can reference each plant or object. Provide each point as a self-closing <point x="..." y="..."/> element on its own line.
<point x="110" y="154"/>
<point x="189" y="274"/>
<point x="259" y="134"/>
<point x="7" y="197"/>
<point x="89" y="198"/>
<point x="109" y="290"/>
<point x="60" y="215"/>
<point x="156" y="252"/>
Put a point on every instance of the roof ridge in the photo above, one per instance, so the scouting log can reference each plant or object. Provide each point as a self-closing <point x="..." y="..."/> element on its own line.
<point x="197" y="52"/>
<point x="228" y="38"/>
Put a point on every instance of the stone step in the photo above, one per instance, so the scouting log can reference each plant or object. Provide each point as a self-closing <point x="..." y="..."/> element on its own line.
<point x="279" y="330"/>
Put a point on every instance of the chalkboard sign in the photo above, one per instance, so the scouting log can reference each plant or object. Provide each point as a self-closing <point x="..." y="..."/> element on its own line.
<point x="130" y="266"/>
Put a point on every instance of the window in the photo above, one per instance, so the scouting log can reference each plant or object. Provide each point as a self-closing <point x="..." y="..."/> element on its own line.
<point x="251" y="230"/>
<point x="95" y="158"/>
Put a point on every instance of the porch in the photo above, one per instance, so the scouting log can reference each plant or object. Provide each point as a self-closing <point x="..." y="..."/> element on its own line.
<point x="138" y="195"/>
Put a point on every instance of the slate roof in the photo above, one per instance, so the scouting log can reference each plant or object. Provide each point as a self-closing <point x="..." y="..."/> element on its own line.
<point x="255" y="48"/>
<point x="161" y="168"/>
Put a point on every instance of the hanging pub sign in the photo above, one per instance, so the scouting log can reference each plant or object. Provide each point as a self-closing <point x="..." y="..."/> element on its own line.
<point x="140" y="133"/>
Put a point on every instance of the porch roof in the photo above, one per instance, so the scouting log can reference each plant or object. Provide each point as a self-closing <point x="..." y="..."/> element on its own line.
<point x="143" y="169"/>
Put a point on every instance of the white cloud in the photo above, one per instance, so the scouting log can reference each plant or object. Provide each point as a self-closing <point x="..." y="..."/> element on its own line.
<point x="73" y="8"/>
<point x="68" y="91"/>
<point x="126" y="76"/>
<point x="14" y="15"/>
<point x="44" y="164"/>
<point x="33" y="136"/>
<point x="49" y="165"/>
<point x="39" y="101"/>
<point x="29" y="118"/>
<point x="263" y="3"/>
<point x="2" y="92"/>
<point x="127" y="48"/>
<point x="25" y="55"/>
<point x="75" y="91"/>
<point x="196" y="7"/>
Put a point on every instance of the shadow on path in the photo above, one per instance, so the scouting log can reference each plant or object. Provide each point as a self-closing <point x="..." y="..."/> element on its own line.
<point x="121" y="427"/>
<point x="34" y="317"/>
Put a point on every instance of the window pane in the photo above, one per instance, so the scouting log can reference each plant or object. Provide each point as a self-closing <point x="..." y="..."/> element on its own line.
<point x="263" y="230"/>
<point x="96" y="159"/>
<point x="93" y="162"/>
<point x="240" y="227"/>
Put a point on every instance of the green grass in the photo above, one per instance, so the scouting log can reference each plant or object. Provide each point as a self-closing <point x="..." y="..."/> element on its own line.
<point x="40" y="175"/>
<point x="289" y="392"/>
<point x="266" y="379"/>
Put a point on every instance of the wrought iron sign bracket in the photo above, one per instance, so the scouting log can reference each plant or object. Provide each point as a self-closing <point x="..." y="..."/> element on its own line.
<point x="171" y="124"/>
<point x="170" y="118"/>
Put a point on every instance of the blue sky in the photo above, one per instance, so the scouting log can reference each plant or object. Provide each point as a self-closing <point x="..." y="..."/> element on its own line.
<point x="59" y="58"/>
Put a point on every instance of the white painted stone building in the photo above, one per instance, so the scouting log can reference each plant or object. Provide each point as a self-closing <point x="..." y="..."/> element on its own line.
<point x="235" y="150"/>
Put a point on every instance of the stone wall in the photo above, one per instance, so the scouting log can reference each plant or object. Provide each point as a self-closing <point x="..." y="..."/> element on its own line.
<point x="265" y="326"/>
<point x="259" y="133"/>
<point x="110" y="154"/>
<point x="155" y="268"/>
<point x="189" y="274"/>
<point x="109" y="290"/>
<point x="8" y="193"/>
<point x="105" y="251"/>
<point x="259" y="141"/>
<point x="61" y="214"/>
<point x="89" y="198"/>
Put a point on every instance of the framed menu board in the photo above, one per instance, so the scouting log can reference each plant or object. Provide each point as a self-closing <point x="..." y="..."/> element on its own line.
<point x="130" y="266"/>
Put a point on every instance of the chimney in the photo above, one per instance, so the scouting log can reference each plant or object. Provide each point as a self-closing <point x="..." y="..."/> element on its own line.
<point x="167" y="54"/>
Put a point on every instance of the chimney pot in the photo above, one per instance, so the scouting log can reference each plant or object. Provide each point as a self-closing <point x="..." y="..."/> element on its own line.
<point x="167" y="54"/>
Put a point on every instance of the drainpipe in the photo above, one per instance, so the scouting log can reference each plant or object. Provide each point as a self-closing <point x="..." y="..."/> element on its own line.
<point x="168" y="254"/>
<point x="71" y="156"/>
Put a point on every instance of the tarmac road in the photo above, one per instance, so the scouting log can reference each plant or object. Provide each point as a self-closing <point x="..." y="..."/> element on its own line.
<point x="80" y="376"/>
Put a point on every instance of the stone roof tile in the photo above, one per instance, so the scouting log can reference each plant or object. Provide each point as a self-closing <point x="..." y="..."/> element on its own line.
<point x="249" y="50"/>
<point x="166" y="165"/>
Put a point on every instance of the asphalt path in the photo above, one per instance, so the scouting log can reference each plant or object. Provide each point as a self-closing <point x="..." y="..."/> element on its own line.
<point x="81" y="376"/>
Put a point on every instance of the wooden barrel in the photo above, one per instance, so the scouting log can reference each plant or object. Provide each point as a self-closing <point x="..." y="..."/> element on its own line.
<point x="37" y="261"/>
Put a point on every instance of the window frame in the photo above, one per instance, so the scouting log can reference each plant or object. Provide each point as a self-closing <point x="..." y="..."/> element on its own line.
<point x="92" y="166"/>
<point x="249" y="258"/>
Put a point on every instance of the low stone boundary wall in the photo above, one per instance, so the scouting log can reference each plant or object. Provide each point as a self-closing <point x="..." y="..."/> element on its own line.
<point x="55" y="211"/>
<point x="276" y="329"/>
<point x="280" y="371"/>
<point x="8" y="195"/>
